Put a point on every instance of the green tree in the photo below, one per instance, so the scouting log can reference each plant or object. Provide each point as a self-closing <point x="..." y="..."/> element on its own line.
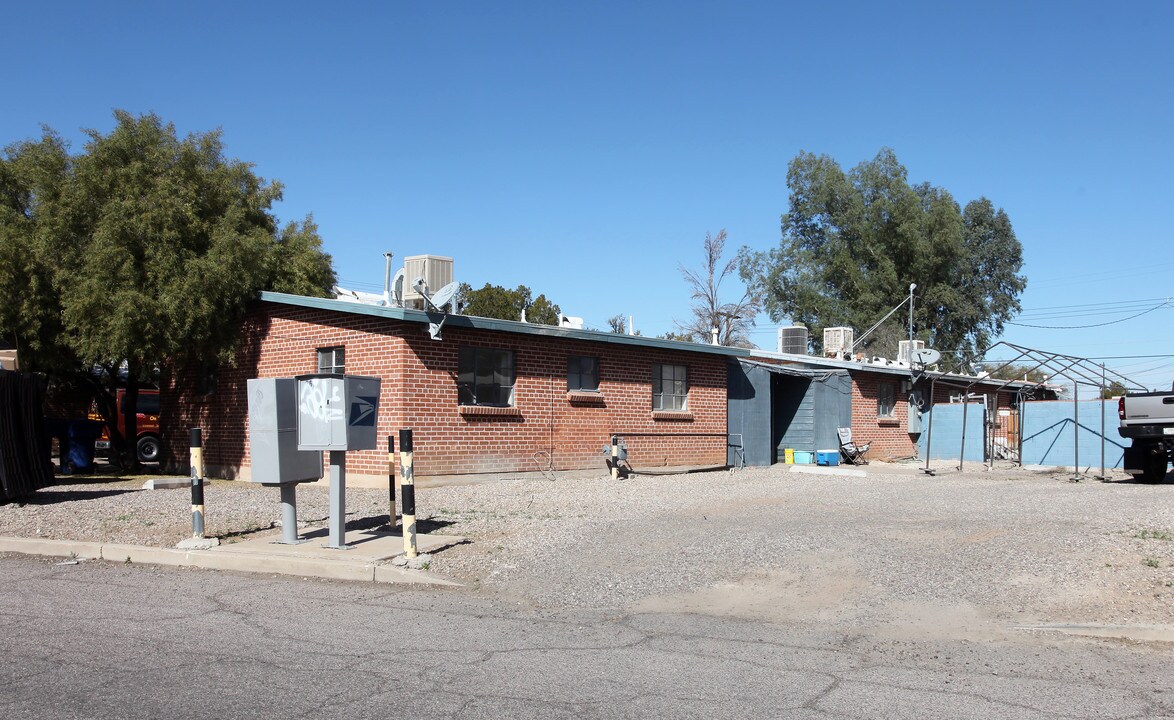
<point x="495" y="301"/>
<point x="853" y="242"/>
<point x="1115" y="389"/>
<point x="32" y="178"/>
<point x="733" y="320"/>
<point x="1016" y="372"/>
<point x="141" y="252"/>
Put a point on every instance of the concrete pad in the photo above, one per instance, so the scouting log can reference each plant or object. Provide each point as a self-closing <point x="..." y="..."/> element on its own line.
<point x="168" y="483"/>
<point x="836" y="471"/>
<point x="369" y="546"/>
<point x="194" y="543"/>
<point x="51" y="548"/>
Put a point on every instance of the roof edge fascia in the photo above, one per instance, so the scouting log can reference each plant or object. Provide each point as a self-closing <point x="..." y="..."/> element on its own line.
<point x="507" y="326"/>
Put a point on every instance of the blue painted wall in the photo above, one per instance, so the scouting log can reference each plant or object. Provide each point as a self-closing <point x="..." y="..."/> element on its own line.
<point x="768" y="412"/>
<point x="947" y="432"/>
<point x="1049" y="437"/>
<point x="748" y="411"/>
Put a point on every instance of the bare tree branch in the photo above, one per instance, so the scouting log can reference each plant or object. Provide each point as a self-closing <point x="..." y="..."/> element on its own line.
<point x="732" y="320"/>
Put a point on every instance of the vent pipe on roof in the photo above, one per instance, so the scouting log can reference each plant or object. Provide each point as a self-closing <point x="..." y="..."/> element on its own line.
<point x="387" y="279"/>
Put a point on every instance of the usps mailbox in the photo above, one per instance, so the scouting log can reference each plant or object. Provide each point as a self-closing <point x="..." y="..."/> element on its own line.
<point x="275" y="458"/>
<point x="337" y="412"/>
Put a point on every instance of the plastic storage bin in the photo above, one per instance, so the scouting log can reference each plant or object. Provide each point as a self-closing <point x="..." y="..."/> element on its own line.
<point x="802" y="457"/>
<point x="827" y="457"/>
<point x="79" y="454"/>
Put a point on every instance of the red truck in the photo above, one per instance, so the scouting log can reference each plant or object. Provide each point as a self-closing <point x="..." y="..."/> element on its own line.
<point x="147" y="420"/>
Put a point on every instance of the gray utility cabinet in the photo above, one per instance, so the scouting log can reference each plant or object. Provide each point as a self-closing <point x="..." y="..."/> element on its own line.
<point x="337" y="412"/>
<point x="273" y="443"/>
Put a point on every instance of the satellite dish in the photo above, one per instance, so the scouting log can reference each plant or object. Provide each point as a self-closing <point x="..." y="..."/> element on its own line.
<point x="397" y="288"/>
<point x="444" y="296"/>
<point x="926" y="356"/>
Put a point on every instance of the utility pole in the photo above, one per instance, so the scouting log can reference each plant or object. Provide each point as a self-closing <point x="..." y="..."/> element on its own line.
<point x="912" y="287"/>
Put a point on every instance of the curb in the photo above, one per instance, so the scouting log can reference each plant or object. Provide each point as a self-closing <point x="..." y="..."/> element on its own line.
<point x="224" y="559"/>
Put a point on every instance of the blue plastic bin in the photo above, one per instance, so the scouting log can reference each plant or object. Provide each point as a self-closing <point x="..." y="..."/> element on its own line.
<point x="79" y="455"/>
<point x="803" y="457"/>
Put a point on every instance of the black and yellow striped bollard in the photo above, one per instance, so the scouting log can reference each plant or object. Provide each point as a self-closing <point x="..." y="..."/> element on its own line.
<point x="197" y="468"/>
<point x="390" y="481"/>
<point x="408" y="490"/>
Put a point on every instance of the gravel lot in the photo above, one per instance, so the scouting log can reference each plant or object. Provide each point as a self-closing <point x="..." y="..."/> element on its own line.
<point x="956" y="552"/>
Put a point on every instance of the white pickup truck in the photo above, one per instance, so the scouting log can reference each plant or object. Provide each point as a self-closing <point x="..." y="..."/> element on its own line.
<point x="1148" y="420"/>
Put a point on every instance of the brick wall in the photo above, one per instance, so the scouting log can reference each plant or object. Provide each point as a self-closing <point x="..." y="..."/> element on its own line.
<point x="548" y="427"/>
<point x="889" y="437"/>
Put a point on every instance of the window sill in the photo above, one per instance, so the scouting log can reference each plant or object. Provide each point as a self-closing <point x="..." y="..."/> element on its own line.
<point x="888" y="422"/>
<point x="673" y="415"/>
<point x="585" y="397"/>
<point x="490" y="410"/>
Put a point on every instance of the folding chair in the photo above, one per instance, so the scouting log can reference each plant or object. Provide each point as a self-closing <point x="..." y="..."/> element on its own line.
<point x="852" y="452"/>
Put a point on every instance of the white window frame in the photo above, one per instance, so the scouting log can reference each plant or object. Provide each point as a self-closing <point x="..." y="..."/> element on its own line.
<point x="676" y="377"/>
<point x="332" y="360"/>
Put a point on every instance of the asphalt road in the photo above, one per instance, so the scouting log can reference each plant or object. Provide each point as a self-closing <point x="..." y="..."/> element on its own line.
<point x="100" y="640"/>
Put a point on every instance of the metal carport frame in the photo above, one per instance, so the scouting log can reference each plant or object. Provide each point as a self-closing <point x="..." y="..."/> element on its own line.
<point x="1076" y="369"/>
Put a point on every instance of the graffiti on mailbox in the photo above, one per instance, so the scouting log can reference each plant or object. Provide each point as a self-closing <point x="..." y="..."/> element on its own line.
<point x="316" y="404"/>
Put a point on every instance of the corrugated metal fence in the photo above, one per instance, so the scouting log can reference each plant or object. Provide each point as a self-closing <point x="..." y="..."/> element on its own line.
<point x="24" y="444"/>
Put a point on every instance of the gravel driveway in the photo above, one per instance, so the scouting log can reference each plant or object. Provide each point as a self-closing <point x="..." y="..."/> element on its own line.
<point x="953" y="553"/>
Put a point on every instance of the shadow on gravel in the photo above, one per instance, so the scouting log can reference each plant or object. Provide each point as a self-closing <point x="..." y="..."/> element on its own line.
<point x="1168" y="480"/>
<point x="379" y="522"/>
<point x="47" y="496"/>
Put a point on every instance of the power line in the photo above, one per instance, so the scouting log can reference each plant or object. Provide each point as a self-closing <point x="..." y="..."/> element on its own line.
<point x="1092" y="325"/>
<point x="1099" y="304"/>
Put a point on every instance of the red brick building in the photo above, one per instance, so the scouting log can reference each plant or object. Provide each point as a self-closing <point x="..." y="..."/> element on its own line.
<point x="490" y="396"/>
<point x="497" y="396"/>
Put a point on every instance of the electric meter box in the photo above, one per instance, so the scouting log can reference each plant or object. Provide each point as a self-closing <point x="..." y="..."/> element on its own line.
<point x="273" y="427"/>
<point x="337" y="412"/>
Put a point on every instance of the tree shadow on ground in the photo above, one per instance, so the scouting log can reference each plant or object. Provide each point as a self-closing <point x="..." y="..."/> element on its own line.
<point x="47" y="496"/>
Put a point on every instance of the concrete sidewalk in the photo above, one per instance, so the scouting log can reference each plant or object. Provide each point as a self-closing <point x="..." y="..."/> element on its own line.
<point x="368" y="558"/>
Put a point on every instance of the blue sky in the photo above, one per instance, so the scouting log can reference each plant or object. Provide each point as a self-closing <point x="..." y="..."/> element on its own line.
<point x="584" y="149"/>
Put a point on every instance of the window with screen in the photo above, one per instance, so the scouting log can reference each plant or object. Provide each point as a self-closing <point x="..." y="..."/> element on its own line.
<point x="670" y="387"/>
<point x="886" y="400"/>
<point x="583" y="373"/>
<point x="486" y="377"/>
<point x="332" y="360"/>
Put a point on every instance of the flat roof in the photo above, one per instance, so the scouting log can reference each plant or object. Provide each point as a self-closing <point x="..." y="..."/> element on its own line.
<point x="890" y="367"/>
<point x="508" y="326"/>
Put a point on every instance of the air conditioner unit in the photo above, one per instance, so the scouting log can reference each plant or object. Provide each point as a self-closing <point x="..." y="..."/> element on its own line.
<point x="837" y="341"/>
<point x="793" y="340"/>
<point x="436" y="271"/>
<point x="906" y="348"/>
